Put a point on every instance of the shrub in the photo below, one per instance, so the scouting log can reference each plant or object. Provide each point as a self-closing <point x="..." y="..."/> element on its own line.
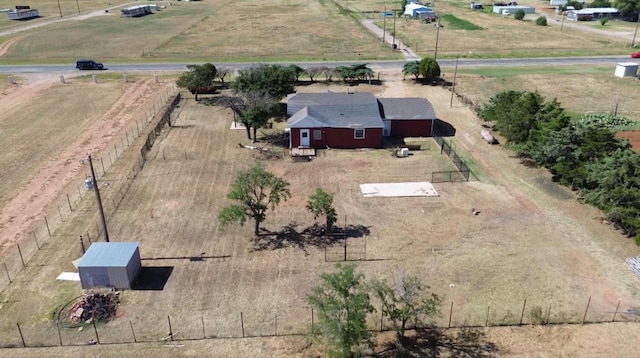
<point x="519" y="15"/>
<point x="541" y="21"/>
<point x="603" y="20"/>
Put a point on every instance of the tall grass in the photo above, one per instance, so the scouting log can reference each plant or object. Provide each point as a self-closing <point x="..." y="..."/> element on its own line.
<point x="459" y="24"/>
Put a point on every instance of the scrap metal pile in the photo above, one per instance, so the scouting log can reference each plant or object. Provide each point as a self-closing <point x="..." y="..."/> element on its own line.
<point x="94" y="306"/>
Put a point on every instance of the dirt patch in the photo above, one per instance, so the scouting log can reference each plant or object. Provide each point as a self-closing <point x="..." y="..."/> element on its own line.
<point x="633" y="137"/>
<point x="52" y="179"/>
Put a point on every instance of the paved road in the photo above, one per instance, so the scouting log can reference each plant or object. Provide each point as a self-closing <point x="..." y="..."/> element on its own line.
<point x="376" y="65"/>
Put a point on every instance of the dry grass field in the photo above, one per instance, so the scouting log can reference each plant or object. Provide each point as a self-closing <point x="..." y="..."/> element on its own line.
<point x="531" y="241"/>
<point x="293" y="30"/>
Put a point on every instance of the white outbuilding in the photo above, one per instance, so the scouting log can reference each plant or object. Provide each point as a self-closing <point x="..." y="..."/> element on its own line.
<point x="110" y="264"/>
<point x="626" y="69"/>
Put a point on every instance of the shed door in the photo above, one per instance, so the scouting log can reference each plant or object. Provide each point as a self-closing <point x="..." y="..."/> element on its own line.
<point x="304" y="138"/>
<point x="386" y="131"/>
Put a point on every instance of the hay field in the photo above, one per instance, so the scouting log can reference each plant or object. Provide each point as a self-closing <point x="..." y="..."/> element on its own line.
<point x="532" y="240"/>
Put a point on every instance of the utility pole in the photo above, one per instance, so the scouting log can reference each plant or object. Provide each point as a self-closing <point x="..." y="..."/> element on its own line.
<point x="96" y="187"/>
<point x="453" y="88"/>
<point x="59" y="8"/>
<point x="562" y="23"/>
<point x="435" y="54"/>
<point x="78" y="6"/>
<point x="633" y="42"/>
<point x="384" y="23"/>
<point x="393" y="47"/>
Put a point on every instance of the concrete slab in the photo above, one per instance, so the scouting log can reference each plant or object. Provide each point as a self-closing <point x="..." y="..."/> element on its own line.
<point x="398" y="189"/>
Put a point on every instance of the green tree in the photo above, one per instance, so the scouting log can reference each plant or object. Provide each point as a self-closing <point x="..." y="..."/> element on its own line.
<point x="576" y="4"/>
<point x="357" y="72"/>
<point x="197" y="77"/>
<point x="342" y="304"/>
<point x="411" y="68"/>
<point x="523" y="117"/>
<point x="628" y="8"/>
<point x="599" y="3"/>
<point x="253" y="110"/>
<point x="567" y="152"/>
<point x="615" y="188"/>
<point x="541" y="21"/>
<point x="256" y="190"/>
<point x="429" y="69"/>
<point x="408" y="301"/>
<point x="519" y="15"/>
<point x="274" y="80"/>
<point x="321" y="203"/>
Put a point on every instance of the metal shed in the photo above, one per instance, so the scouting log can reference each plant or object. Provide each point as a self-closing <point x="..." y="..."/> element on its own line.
<point x="110" y="264"/>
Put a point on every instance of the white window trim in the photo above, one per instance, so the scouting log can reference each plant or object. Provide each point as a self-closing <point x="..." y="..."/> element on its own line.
<point x="355" y="135"/>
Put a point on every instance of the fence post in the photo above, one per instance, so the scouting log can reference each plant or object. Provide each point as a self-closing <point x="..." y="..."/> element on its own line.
<point x="204" y="333"/>
<point x="95" y="329"/>
<point x="522" y="314"/>
<point x="381" y="319"/>
<point x="82" y="245"/>
<point x="21" y="336"/>
<point x="486" y="324"/>
<point x="20" y="253"/>
<point x="276" y="324"/>
<point x="47" y="223"/>
<point x="450" y="314"/>
<point x="585" y="310"/>
<point x="7" y="271"/>
<point x="59" y="335"/>
<point x="311" y="312"/>
<point x="69" y="201"/>
<point x="616" y="312"/>
<point x="102" y="163"/>
<point x="36" y="239"/>
<point x="548" y="312"/>
<point x="133" y="333"/>
<point x="242" y="323"/>
<point x="60" y="213"/>
<point x="170" y="330"/>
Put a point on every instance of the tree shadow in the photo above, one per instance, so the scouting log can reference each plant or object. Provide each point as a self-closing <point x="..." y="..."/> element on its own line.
<point x="435" y="342"/>
<point x="311" y="236"/>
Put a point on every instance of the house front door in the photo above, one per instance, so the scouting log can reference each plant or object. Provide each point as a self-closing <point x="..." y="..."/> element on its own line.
<point x="386" y="131"/>
<point x="304" y="138"/>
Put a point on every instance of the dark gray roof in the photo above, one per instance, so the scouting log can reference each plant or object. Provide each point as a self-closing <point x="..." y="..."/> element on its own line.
<point x="331" y="98"/>
<point x="407" y="108"/>
<point x="336" y="110"/>
<point x="352" y="110"/>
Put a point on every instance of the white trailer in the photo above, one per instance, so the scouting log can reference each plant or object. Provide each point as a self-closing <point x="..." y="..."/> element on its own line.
<point x="22" y="14"/>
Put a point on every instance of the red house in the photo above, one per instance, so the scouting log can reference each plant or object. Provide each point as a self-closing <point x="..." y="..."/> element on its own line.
<point x="354" y="120"/>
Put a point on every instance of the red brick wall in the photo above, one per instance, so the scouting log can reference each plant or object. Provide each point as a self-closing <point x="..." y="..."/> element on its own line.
<point x="340" y="138"/>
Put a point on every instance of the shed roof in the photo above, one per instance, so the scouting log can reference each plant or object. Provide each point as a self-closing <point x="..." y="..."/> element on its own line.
<point x="407" y="108"/>
<point x="108" y="254"/>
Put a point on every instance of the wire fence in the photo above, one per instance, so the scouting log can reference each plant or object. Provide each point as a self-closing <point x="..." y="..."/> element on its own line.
<point x="296" y="322"/>
<point x="447" y="148"/>
<point x="113" y="183"/>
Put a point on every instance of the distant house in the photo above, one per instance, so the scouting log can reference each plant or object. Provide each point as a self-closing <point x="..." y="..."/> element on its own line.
<point x="590" y="14"/>
<point x="354" y="120"/>
<point x="22" y="12"/>
<point x="412" y="9"/>
<point x="513" y="9"/>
